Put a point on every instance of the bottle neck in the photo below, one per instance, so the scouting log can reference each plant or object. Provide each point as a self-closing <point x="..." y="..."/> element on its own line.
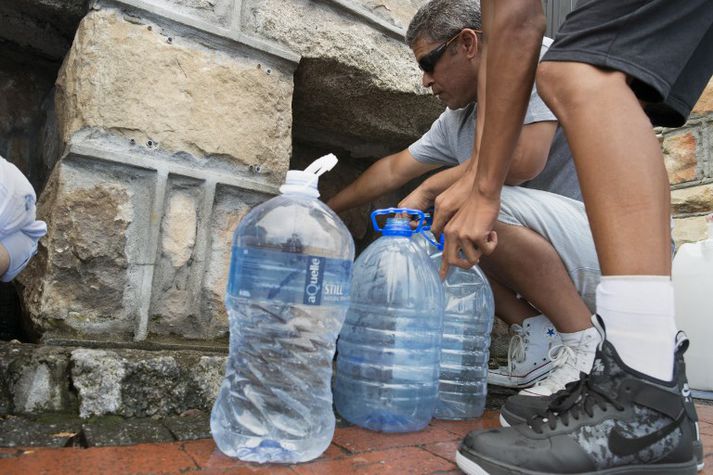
<point x="397" y="227"/>
<point x="299" y="189"/>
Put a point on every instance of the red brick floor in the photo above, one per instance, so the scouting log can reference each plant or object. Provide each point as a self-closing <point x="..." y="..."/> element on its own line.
<point x="353" y="450"/>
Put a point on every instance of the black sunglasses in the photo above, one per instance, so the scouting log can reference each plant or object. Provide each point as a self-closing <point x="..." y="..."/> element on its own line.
<point x="428" y="61"/>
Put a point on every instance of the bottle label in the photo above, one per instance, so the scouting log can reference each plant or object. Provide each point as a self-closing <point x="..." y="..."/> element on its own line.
<point x="287" y="277"/>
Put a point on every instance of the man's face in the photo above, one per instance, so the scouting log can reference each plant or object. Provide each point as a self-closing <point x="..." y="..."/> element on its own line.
<point x="452" y="76"/>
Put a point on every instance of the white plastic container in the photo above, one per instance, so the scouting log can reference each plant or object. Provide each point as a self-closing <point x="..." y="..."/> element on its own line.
<point x="692" y="276"/>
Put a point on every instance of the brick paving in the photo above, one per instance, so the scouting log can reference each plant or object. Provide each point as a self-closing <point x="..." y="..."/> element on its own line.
<point x="353" y="451"/>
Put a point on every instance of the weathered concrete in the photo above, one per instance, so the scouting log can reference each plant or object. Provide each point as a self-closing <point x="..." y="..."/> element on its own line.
<point x="108" y="431"/>
<point x="49" y="430"/>
<point x="190" y="425"/>
<point x="34" y="380"/>
<point x="354" y="88"/>
<point x="175" y="117"/>
<point x="81" y="280"/>
<point x="138" y="82"/>
<point x="139" y="384"/>
<point x="86" y="382"/>
<point x="680" y="151"/>
<point x="691" y="229"/>
<point x="697" y="199"/>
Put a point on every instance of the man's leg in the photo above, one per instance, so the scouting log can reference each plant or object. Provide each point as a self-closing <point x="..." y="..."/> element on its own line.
<point x="527" y="264"/>
<point x="626" y="192"/>
<point x="511" y="309"/>
<point x="633" y="412"/>
<point x="546" y="251"/>
<point x="619" y="163"/>
<point x="532" y="335"/>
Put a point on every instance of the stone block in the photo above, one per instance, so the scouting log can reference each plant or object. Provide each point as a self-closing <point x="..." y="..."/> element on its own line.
<point x="231" y="205"/>
<point x="35" y="379"/>
<point x="135" y="383"/>
<point x="189" y="426"/>
<point x="48" y="430"/>
<point x="138" y="82"/>
<point x="704" y="106"/>
<point x="217" y="12"/>
<point x="691" y="229"/>
<point x="398" y="12"/>
<point x="697" y="199"/>
<point x="97" y="376"/>
<point x="355" y="86"/>
<point x="680" y="150"/>
<point x="85" y="279"/>
<point x="173" y="309"/>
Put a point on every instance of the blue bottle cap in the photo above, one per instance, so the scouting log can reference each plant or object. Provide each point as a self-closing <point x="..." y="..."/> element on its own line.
<point x="398" y="226"/>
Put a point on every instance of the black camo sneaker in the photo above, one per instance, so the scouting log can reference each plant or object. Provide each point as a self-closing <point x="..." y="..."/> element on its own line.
<point x="615" y="420"/>
<point x="518" y="408"/>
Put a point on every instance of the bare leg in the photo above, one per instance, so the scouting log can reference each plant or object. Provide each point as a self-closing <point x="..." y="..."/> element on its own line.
<point x="527" y="264"/>
<point x="508" y="307"/>
<point x="619" y="164"/>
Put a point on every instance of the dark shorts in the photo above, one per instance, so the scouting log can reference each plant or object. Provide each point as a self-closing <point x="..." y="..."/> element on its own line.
<point x="664" y="46"/>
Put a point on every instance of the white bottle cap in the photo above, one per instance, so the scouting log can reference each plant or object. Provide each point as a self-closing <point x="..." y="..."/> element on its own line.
<point x="305" y="181"/>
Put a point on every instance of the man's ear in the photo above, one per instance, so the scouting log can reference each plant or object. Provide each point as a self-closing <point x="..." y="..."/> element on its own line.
<point x="471" y="42"/>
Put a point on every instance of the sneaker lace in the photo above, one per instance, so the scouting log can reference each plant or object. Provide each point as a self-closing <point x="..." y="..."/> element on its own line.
<point x="576" y="399"/>
<point x="517" y="346"/>
<point x="562" y="357"/>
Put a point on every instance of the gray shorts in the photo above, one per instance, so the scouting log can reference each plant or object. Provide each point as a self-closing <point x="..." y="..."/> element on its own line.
<point x="563" y="222"/>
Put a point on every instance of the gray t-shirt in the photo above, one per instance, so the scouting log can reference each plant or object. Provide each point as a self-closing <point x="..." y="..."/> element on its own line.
<point x="449" y="142"/>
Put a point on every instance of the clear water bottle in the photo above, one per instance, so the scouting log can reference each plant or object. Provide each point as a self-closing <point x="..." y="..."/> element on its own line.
<point x="465" y="348"/>
<point x="288" y="294"/>
<point x="389" y="348"/>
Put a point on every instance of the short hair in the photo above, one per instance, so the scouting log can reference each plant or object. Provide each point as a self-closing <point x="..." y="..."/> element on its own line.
<point x="440" y="20"/>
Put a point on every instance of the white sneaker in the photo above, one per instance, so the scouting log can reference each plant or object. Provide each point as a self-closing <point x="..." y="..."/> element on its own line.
<point x="568" y="360"/>
<point x="528" y="359"/>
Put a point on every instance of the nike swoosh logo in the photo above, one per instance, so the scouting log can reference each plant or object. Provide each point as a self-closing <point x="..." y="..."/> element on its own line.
<point x="622" y="445"/>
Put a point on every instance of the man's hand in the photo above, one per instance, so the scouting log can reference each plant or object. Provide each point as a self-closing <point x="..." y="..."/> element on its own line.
<point x="448" y="202"/>
<point x="470" y="233"/>
<point x="420" y="198"/>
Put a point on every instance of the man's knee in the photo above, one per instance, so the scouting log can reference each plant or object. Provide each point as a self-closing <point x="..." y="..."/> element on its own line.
<point x="563" y="85"/>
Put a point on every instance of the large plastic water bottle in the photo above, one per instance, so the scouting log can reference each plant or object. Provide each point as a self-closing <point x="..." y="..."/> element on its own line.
<point x="288" y="293"/>
<point x="465" y="348"/>
<point x="692" y="276"/>
<point x="388" y="351"/>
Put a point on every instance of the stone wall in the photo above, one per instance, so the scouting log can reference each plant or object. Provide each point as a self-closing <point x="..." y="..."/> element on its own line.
<point x="688" y="152"/>
<point x="174" y="118"/>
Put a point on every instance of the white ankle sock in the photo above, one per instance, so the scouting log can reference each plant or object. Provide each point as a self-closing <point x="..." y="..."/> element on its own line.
<point x="638" y="313"/>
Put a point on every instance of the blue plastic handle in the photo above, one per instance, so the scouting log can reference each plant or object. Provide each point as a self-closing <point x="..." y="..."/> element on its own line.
<point x="439" y="245"/>
<point x="409" y="211"/>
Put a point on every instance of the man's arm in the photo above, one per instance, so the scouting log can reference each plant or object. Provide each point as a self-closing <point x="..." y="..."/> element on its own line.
<point x="529" y="158"/>
<point x="387" y="174"/>
<point x="531" y="152"/>
<point x="513" y="35"/>
<point x="425" y="194"/>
